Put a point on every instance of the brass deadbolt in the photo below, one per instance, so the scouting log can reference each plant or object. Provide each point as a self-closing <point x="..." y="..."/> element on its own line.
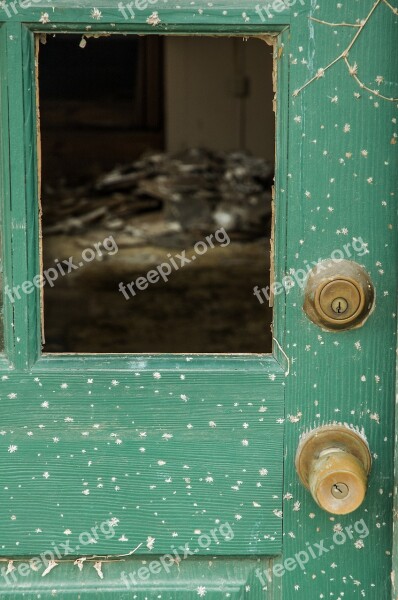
<point x="338" y="295"/>
<point x="334" y="462"/>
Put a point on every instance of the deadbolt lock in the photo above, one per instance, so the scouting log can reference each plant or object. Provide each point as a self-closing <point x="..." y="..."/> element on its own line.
<point x="333" y="462"/>
<point x="338" y="295"/>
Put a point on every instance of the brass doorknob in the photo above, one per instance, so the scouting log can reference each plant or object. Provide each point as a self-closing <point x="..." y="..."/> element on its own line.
<point x="333" y="462"/>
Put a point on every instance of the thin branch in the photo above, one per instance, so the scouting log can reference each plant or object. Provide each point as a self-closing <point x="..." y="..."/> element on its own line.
<point x="351" y="68"/>
<point x="335" y="24"/>
<point x="93" y="557"/>
<point x="363" y="24"/>
<point x="320" y="73"/>
<point x="393" y="8"/>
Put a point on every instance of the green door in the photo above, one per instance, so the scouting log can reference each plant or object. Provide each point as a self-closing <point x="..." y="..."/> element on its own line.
<point x="173" y="476"/>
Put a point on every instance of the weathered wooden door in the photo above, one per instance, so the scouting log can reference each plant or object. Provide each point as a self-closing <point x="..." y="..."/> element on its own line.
<point x="174" y="476"/>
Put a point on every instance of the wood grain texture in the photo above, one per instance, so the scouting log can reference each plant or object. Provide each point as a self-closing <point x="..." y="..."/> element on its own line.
<point x="343" y="185"/>
<point x="238" y="14"/>
<point x="213" y="578"/>
<point x="169" y="454"/>
<point x="339" y="153"/>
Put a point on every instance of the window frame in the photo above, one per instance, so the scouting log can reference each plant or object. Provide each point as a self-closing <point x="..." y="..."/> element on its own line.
<point x="20" y="156"/>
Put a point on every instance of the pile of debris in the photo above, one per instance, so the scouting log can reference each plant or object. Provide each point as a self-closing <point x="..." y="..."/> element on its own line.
<point x="194" y="191"/>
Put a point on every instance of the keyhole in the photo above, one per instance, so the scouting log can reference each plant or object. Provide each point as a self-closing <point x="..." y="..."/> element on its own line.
<point x="339" y="305"/>
<point x="340" y="490"/>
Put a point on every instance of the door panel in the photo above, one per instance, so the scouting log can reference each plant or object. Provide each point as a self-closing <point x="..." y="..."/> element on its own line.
<point x="169" y="452"/>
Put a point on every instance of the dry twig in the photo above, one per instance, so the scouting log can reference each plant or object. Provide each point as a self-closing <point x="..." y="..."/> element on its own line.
<point x="352" y="69"/>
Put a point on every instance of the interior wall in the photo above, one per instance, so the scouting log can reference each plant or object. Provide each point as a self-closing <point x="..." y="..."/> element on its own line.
<point x="238" y="76"/>
<point x="101" y="104"/>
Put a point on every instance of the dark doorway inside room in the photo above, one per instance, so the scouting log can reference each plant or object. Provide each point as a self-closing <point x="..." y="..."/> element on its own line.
<point x="157" y="173"/>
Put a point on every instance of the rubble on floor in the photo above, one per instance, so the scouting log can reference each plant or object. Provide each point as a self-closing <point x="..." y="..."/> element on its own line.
<point x="179" y="196"/>
<point x="155" y="208"/>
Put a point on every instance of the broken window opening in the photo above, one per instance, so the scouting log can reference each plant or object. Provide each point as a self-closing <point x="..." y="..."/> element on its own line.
<point x="157" y="167"/>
